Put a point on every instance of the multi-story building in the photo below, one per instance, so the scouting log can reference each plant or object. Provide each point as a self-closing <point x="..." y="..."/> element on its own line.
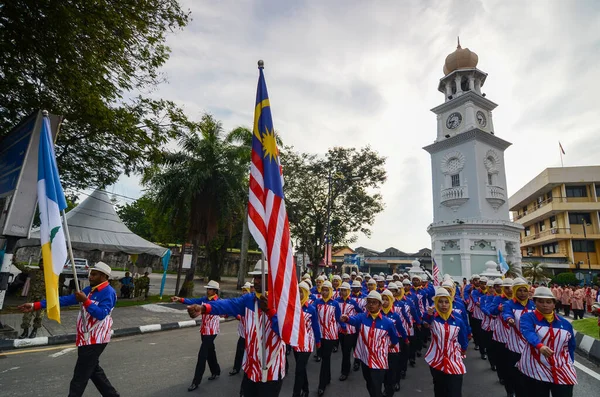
<point x="559" y="210"/>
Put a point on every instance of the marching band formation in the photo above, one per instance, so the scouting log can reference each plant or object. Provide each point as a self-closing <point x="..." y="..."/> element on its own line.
<point x="381" y="324"/>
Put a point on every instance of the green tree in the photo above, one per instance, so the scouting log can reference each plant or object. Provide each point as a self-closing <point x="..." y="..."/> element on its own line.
<point x="205" y="183"/>
<point x="513" y="270"/>
<point x="535" y="271"/>
<point x="565" y="278"/>
<point x="89" y="61"/>
<point x="356" y="176"/>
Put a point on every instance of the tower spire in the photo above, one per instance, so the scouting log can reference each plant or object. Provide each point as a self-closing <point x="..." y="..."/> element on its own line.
<point x="458" y="39"/>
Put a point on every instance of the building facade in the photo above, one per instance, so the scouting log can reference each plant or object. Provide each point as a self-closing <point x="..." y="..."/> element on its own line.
<point x="471" y="220"/>
<point x="560" y="213"/>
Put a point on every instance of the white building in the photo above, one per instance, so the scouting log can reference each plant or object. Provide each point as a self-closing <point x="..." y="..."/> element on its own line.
<point x="470" y="202"/>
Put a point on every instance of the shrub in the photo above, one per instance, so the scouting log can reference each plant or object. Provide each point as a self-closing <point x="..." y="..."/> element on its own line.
<point x="565" y="279"/>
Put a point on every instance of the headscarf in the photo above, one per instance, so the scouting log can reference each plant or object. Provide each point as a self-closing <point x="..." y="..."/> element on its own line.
<point x="443" y="293"/>
<point x="306" y="289"/>
<point x="519" y="283"/>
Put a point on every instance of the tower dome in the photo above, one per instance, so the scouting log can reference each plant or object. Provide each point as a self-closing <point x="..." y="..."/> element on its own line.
<point x="462" y="58"/>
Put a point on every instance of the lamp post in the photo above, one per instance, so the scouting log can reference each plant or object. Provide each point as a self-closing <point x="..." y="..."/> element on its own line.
<point x="587" y="250"/>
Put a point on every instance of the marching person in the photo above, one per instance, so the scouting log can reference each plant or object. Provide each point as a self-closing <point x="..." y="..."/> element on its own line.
<point x="94" y="325"/>
<point x="493" y="286"/>
<point x="312" y="338"/>
<point x="411" y="301"/>
<point x="239" y="350"/>
<point x="255" y="308"/>
<point x="477" y="319"/>
<point x="336" y="282"/>
<point x="577" y="303"/>
<point x="512" y="311"/>
<point x="500" y="329"/>
<point x="468" y="299"/>
<point x="407" y="315"/>
<point x="347" y="334"/>
<point x="316" y="290"/>
<point x="548" y="357"/>
<point x="565" y="297"/>
<point x="392" y="375"/>
<point x="209" y="329"/>
<point x="329" y="314"/>
<point x="448" y="346"/>
<point x="37" y="290"/>
<point x="376" y="334"/>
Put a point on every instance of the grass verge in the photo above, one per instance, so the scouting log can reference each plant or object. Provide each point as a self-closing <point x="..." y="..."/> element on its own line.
<point x="587" y="326"/>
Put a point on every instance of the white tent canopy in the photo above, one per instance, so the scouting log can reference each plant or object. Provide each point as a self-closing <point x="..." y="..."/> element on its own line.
<point x="95" y="225"/>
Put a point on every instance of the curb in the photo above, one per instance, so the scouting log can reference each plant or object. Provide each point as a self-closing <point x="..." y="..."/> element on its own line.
<point x="588" y="347"/>
<point x="12" y="344"/>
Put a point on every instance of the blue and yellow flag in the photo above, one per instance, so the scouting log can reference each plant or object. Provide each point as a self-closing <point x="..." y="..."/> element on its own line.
<point x="51" y="201"/>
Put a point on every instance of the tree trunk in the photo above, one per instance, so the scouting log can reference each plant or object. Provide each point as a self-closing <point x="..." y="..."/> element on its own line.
<point x="244" y="252"/>
<point x="187" y="289"/>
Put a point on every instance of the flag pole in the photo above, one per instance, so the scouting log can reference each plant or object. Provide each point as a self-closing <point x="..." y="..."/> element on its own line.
<point x="560" y="149"/>
<point x="263" y="357"/>
<point x="70" y="249"/>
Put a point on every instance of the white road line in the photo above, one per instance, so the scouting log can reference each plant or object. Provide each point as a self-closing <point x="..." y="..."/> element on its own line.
<point x="62" y="352"/>
<point x="588" y="371"/>
<point x="10" y="369"/>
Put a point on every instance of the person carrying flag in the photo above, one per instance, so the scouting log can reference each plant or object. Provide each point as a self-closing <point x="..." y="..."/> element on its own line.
<point x="312" y="339"/>
<point x="94" y="325"/>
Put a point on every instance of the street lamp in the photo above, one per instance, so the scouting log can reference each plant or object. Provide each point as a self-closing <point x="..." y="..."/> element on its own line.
<point x="587" y="249"/>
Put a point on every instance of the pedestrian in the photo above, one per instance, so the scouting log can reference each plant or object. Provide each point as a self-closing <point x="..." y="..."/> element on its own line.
<point x="500" y="329"/>
<point x="376" y="334"/>
<point x="487" y="326"/>
<point x="312" y="339"/>
<point x="557" y="291"/>
<point x="578" y="302"/>
<point x="336" y="282"/>
<point x="547" y="361"/>
<point x="512" y="311"/>
<point x="239" y="350"/>
<point x="261" y="327"/>
<point x="126" y="286"/>
<point x="392" y="375"/>
<point x="329" y="314"/>
<point x="565" y="298"/>
<point x="409" y="319"/>
<point x="94" y="325"/>
<point x="209" y="329"/>
<point x="414" y="340"/>
<point x="37" y="291"/>
<point x="347" y="334"/>
<point x="449" y="342"/>
<point x="144" y="285"/>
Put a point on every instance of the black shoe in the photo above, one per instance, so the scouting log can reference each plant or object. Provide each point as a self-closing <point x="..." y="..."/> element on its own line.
<point x="493" y="368"/>
<point x="476" y="347"/>
<point x="234" y="372"/>
<point x="501" y="381"/>
<point x="335" y="349"/>
<point x="33" y="333"/>
<point x="412" y="364"/>
<point x="397" y="387"/>
<point x="343" y="377"/>
<point x="403" y="375"/>
<point x="356" y="367"/>
<point x="320" y="392"/>
<point x="24" y="334"/>
<point x="318" y="359"/>
<point x="484" y="356"/>
<point x="193" y="387"/>
<point x="213" y="377"/>
<point x="418" y="354"/>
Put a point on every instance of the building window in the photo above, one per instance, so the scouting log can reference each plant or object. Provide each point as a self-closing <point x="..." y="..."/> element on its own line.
<point x="491" y="179"/>
<point x="542" y="226"/>
<point x="583" y="246"/>
<point x="548" y="249"/>
<point x="524" y="210"/>
<point x="455" y="180"/>
<point x="598" y="190"/>
<point x="578" y="218"/>
<point x="576" y="191"/>
<point x="553" y="223"/>
<point x="527" y="231"/>
<point x="549" y="195"/>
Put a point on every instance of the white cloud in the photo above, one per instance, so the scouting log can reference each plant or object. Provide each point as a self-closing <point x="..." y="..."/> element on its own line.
<point x="353" y="73"/>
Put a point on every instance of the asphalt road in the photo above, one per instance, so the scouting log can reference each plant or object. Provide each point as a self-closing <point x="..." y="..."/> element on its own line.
<point x="162" y="364"/>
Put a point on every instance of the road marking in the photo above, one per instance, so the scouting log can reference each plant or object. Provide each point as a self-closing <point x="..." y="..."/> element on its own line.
<point x="150" y="328"/>
<point x="33" y="350"/>
<point x="588" y="371"/>
<point x="10" y="369"/>
<point x="62" y="352"/>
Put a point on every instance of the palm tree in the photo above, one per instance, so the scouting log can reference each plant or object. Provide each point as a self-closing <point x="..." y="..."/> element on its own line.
<point x="535" y="271"/>
<point x="514" y="270"/>
<point x="203" y="182"/>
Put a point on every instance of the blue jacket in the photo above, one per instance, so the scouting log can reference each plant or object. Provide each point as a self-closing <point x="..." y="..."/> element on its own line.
<point x="392" y="315"/>
<point x="463" y="339"/>
<point x="381" y="322"/>
<point x="237" y="307"/>
<point x="413" y="311"/>
<point x="105" y="296"/>
<point x="529" y="322"/>
<point x="310" y="309"/>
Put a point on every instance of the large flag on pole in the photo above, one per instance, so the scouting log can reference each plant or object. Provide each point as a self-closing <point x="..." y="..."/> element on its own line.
<point x="436" y="274"/>
<point x="51" y="201"/>
<point x="502" y="263"/>
<point x="268" y="220"/>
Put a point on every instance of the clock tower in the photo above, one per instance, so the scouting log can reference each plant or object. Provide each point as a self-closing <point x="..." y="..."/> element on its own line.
<point x="470" y="202"/>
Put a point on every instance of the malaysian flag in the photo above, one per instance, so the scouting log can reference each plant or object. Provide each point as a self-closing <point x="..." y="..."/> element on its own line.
<point x="268" y="220"/>
<point x="436" y="274"/>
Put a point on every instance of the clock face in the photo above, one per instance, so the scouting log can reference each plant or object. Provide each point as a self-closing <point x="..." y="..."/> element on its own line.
<point x="453" y="120"/>
<point x="481" y="120"/>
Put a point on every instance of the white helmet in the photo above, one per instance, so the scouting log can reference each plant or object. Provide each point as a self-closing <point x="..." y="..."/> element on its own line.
<point x="544" y="293"/>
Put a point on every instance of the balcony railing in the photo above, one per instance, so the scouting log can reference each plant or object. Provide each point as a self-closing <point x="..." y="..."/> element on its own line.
<point x="540" y="204"/>
<point x="454" y="197"/>
<point x="495" y="195"/>
<point x="549" y="232"/>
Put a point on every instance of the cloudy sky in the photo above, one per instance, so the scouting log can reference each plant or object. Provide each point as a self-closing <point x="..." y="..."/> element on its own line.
<point x="355" y="73"/>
